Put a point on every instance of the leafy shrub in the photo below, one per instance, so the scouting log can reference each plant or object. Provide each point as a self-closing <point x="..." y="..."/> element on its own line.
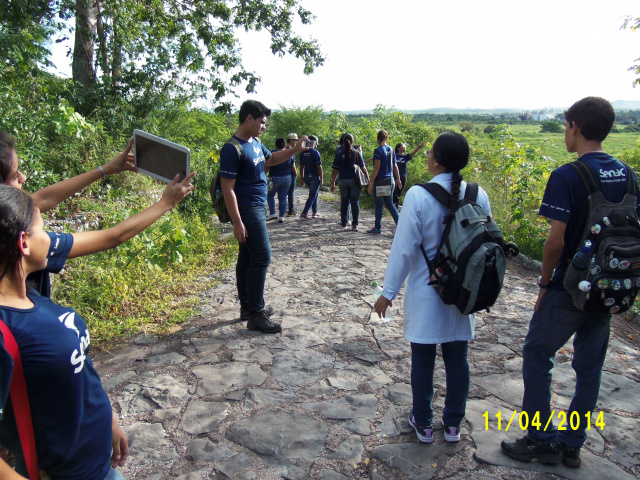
<point x="551" y="127"/>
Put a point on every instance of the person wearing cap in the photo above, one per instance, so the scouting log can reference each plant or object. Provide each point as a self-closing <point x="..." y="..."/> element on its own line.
<point x="292" y="141"/>
<point x="311" y="174"/>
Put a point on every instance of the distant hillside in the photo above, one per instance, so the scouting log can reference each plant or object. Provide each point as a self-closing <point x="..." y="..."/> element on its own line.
<point x="626" y="104"/>
<point x="617" y="105"/>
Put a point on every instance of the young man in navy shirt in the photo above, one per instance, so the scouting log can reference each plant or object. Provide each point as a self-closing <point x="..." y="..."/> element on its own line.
<point x="555" y="320"/>
<point x="244" y="186"/>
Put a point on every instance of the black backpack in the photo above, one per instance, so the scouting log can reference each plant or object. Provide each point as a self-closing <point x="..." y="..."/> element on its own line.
<point x="215" y="189"/>
<point x="608" y="278"/>
<point x="468" y="268"/>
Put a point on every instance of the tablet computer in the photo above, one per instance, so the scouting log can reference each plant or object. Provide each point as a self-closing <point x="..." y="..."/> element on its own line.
<point x="160" y="158"/>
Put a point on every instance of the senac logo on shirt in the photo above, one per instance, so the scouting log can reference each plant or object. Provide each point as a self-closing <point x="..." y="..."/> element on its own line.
<point x="612" y="173"/>
<point x="77" y="356"/>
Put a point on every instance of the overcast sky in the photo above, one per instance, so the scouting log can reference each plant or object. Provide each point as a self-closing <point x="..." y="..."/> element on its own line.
<point x="419" y="54"/>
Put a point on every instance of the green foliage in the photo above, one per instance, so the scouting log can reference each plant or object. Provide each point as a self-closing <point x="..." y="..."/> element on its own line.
<point x="551" y="127"/>
<point x="489" y="129"/>
<point x="147" y="284"/>
<point x="466" y="127"/>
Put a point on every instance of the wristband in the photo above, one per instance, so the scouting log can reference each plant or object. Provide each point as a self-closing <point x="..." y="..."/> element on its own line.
<point x="103" y="174"/>
<point x="545" y="286"/>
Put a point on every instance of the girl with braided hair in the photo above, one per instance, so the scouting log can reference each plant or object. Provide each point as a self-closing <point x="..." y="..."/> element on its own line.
<point x="427" y="320"/>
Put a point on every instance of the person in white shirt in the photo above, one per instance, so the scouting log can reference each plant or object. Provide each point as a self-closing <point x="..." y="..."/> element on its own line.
<point x="427" y="320"/>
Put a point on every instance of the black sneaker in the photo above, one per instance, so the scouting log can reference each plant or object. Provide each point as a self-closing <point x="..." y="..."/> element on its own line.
<point x="260" y="321"/>
<point x="244" y="312"/>
<point x="525" y="450"/>
<point x="570" y="455"/>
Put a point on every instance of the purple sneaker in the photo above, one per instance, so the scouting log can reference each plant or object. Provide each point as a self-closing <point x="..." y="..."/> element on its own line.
<point x="425" y="434"/>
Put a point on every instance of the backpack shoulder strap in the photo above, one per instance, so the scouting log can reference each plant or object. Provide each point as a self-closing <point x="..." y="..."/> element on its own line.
<point x="471" y="193"/>
<point x="234" y="141"/>
<point x="631" y="185"/>
<point x="439" y="192"/>
<point x="585" y="174"/>
<point x="20" y="402"/>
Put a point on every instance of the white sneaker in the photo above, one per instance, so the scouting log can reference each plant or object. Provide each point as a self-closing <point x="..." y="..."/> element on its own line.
<point x="348" y="223"/>
<point x="281" y="220"/>
<point x="272" y="216"/>
<point x="451" y="434"/>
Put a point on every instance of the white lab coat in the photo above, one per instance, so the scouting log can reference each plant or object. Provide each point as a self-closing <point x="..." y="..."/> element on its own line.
<point x="427" y="319"/>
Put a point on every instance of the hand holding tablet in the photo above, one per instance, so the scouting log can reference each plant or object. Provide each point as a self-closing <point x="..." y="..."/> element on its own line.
<point x="160" y="158"/>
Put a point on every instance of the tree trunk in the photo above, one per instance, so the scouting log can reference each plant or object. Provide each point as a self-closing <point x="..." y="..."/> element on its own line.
<point x="82" y="67"/>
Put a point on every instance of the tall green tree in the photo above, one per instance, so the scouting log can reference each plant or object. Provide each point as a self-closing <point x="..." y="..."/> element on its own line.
<point x="153" y="51"/>
<point x="147" y="54"/>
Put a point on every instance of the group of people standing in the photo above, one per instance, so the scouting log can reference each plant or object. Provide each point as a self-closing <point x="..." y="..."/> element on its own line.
<point x="77" y="437"/>
<point x="429" y="322"/>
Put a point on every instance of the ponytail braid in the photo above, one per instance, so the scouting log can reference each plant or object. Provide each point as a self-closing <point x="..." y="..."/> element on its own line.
<point x="456" y="181"/>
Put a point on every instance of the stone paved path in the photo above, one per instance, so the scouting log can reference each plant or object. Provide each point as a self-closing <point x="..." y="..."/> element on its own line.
<point x="328" y="398"/>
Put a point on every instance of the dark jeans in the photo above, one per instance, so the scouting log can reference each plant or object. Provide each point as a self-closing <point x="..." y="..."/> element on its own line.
<point x="423" y="359"/>
<point x="292" y="189"/>
<point x="313" y="182"/>
<point x="550" y="328"/>
<point x="398" y="191"/>
<point x="386" y="201"/>
<point x="254" y="257"/>
<point x="349" y="196"/>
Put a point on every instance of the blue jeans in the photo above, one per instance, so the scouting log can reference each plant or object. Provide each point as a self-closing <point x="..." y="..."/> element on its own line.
<point x="292" y="188"/>
<point x="254" y="257"/>
<point x="114" y="475"/>
<point x="423" y="359"/>
<point x="550" y="328"/>
<point x="387" y="201"/>
<point x="313" y="182"/>
<point x="349" y="196"/>
<point x="281" y="187"/>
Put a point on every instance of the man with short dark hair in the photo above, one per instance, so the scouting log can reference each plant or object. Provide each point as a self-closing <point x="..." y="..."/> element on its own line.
<point x="311" y="174"/>
<point x="244" y="186"/>
<point x="555" y="319"/>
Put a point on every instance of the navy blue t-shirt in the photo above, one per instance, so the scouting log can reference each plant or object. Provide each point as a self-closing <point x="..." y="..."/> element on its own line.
<point x="310" y="159"/>
<point x="59" y="250"/>
<point x="565" y="200"/>
<point x="247" y="170"/>
<point x="282" y="169"/>
<point x="345" y="169"/>
<point x="401" y="162"/>
<point x="387" y="158"/>
<point x="70" y="410"/>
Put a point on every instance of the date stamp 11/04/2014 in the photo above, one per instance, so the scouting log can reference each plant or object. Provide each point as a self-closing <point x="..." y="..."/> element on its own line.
<point x="565" y="422"/>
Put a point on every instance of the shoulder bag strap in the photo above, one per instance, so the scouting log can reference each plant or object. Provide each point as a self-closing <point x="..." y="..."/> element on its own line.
<point x="20" y="402"/>
<point x="439" y="192"/>
<point x="441" y="195"/>
<point x="471" y="193"/>
<point x="585" y="174"/>
<point x="631" y="185"/>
